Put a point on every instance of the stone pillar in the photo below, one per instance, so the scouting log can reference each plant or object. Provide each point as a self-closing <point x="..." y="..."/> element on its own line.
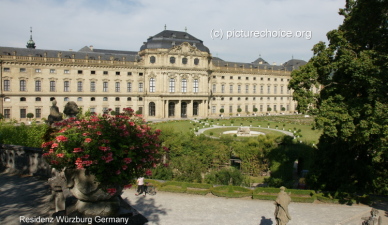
<point x="165" y="109"/>
<point x="190" y="109"/>
<point x="178" y="111"/>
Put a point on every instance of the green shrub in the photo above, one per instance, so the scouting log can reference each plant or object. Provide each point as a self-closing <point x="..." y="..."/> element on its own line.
<point x="173" y="188"/>
<point x="162" y="172"/>
<point x="231" y="191"/>
<point x="225" y="176"/>
<point x="153" y="182"/>
<point x="29" y="136"/>
<point x="184" y="187"/>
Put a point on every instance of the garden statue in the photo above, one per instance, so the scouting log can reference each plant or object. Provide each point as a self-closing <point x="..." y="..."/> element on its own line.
<point x="71" y="109"/>
<point x="282" y="201"/>
<point x="54" y="113"/>
<point x="374" y="219"/>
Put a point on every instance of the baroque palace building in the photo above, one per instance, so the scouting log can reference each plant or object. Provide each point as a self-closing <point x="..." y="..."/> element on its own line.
<point x="172" y="76"/>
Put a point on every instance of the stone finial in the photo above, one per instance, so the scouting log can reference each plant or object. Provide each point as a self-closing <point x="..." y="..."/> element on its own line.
<point x="54" y="113"/>
<point x="71" y="109"/>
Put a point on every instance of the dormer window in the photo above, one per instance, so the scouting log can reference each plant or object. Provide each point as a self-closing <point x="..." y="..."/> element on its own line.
<point x="196" y="61"/>
<point x="172" y="60"/>
<point x="184" y="60"/>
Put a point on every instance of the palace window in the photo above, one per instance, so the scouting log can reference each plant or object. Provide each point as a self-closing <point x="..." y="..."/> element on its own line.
<point x="140" y="87"/>
<point x="214" y="88"/>
<point x="7" y="113"/>
<point x="105" y="86"/>
<point x="269" y="89"/>
<point x="105" y="72"/>
<point x="195" y="87"/>
<point x="184" y="61"/>
<point x="152" y="59"/>
<point x="7" y="69"/>
<point x="79" y="72"/>
<point x="231" y="88"/>
<point x="23" y="70"/>
<point x="23" y="113"/>
<point x="171" y="86"/>
<point x="66" y="71"/>
<point x="66" y="86"/>
<point x="223" y="88"/>
<point x="79" y="86"/>
<point x="38" y="70"/>
<point x="152" y="84"/>
<point x="23" y="85"/>
<point x="93" y="72"/>
<point x="238" y="88"/>
<point x="38" y="85"/>
<point x="152" y="109"/>
<point x="172" y="60"/>
<point x="38" y="99"/>
<point x="281" y="89"/>
<point x="117" y="87"/>
<point x="7" y="85"/>
<point x="117" y="73"/>
<point x="23" y="99"/>
<point x="246" y="89"/>
<point x="52" y="86"/>
<point x="275" y="89"/>
<point x="38" y="113"/>
<point x="92" y="86"/>
<point x="129" y="87"/>
<point x="196" y="61"/>
<point x="52" y="70"/>
<point x="254" y="89"/>
<point x="184" y="85"/>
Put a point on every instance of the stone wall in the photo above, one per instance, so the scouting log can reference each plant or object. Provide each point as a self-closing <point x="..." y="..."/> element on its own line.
<point x="23" y="160"/>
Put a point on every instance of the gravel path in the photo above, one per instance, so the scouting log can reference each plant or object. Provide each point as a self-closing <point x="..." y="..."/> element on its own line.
<point x="166" y="208"/>
<point x="29" y="197"/>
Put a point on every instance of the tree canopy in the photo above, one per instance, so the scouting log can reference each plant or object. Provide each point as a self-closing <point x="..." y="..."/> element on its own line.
<point x="352" y="107"/>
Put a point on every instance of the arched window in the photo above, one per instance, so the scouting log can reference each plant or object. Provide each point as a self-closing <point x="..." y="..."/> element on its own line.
<point x="79" y="99"/>
<point x="152" y="59"/>
<point x="6" y="99"/>
<point x="195" y="108"/>
<point x="66" y="99"/>
<point x="117" y="99"/>
<point x="22" y="99"/>
<point x="184" y="60"/>
<point x="92" y="99"/>
<point x="171" y="109"/>
<point x="151" y="109"/>
<point x="196" y="61"/>
<point x="52" y="99"/>
<point x="172" y="60"/>
<point x="129" y="99"/>
<point x="38" y="99"/>
<point x="105" y="99"/>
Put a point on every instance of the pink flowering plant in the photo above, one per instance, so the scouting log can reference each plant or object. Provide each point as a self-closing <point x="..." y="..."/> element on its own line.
<point x="116" y="149"/>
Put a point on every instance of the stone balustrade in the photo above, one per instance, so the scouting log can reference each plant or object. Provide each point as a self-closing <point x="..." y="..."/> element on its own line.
<point x="23" y="160"/>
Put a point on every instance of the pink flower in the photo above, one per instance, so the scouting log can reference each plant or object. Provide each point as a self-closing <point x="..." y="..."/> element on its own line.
<point x="85" y="156"/>
<point x="77" y="150"/>
<point x="111" y="191"/>
<point x="79" y="163"/>
<point x="148" y="172"/>
<point x="54" y="145"/>
<point x="124" y="167"/>
<point x="118" y="172"/>
<point x="108" y="159"/>
<point x="61" y="138"/>
<point x="51" y="150"/>
<point x="60" y="155"/>
<point x="45" y="144"/>
<point x="46" y="154"/>
<point x="55" y="162"/>
<point x="85" y="134"/>
<point x="88" y="140"/>
<point x="99" y="133"/>
<point x="127" y="160"/>
<point x="103" y="148"/>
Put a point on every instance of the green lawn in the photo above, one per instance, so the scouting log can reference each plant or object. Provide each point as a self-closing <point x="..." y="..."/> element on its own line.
<point x="293" y="122"/>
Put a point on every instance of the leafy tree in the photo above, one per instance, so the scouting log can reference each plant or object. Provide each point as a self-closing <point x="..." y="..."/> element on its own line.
<point x="352" y="107"/>
<point x="239" y="110"/>
<point x="222" y="110"/>
<point x="1" y="116"/>
<point x="30" y="115"/>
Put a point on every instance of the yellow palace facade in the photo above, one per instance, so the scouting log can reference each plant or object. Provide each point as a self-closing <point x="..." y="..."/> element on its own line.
<point x="173" y="76"/>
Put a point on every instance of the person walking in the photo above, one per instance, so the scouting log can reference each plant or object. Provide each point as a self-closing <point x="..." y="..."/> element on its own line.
<point x="140" y="186"/>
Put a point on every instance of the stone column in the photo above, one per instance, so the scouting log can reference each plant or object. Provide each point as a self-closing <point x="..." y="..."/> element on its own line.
<point x="178" y="110"/>
<point x="190" y="109"/>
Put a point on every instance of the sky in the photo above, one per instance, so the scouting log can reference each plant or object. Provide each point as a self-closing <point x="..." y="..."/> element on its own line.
<point x="236" y="31"/>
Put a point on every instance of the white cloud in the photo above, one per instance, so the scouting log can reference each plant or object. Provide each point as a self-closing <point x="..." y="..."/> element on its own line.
<point x="125" y="25"/>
